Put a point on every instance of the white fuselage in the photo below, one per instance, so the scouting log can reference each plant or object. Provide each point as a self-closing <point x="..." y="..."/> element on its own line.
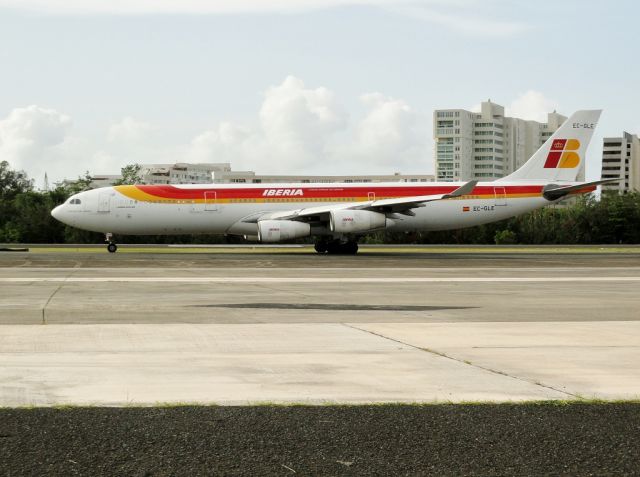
<point x="229" y="208"/>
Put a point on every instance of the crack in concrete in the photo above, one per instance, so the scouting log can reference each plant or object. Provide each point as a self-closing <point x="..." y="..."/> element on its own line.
<point x="468" y="363"/>
<point x="77" y="266"/>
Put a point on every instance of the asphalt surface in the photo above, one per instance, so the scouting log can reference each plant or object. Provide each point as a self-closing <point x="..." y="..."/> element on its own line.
<point x="411" y="285"/>
<point x="530" y="439"/>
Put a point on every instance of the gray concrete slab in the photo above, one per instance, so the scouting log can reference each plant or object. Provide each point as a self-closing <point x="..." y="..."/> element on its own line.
<point x="231" y="364"/>
<point x="592" y="360"/>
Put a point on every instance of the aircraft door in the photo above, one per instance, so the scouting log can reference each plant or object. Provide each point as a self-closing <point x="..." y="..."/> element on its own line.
<point x="104" y="203"/>
<point x="210" y="201"/>
<point x="500" y="195"/>
<point x="371" y="196"/>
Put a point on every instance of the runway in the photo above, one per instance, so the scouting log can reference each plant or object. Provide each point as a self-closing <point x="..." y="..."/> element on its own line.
<point x="144" y="328"/>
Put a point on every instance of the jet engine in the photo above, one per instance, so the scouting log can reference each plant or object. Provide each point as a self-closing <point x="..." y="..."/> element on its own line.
<point x="279" y="230"/>
<point x="353" y="221"/>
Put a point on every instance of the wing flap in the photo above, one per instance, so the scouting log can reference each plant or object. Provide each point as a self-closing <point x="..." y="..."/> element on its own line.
<point x="418" y="201"/>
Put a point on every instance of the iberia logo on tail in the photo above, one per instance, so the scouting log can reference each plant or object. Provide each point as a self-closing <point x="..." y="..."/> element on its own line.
<point x="563" y="154"/>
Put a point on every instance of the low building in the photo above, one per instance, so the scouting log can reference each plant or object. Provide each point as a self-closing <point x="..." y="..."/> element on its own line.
<point x="103" y="180"/>
<point x="250" y="177"/>
<point x="182" y="173"/>
<point x="221" y="173"/>
<point x="621" y="160"/>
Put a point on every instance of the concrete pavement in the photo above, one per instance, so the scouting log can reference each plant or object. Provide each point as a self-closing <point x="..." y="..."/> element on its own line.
<point x="248" y="330"/>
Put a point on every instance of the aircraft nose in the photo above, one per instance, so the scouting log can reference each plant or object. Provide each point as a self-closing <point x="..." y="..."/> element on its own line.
<point x="57" y="213"/>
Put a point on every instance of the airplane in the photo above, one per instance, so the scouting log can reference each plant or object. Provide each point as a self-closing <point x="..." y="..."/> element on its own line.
<point x="337" y="213"/>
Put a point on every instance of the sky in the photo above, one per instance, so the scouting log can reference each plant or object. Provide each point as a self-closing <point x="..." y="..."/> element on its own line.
<point x="296" y="86"/>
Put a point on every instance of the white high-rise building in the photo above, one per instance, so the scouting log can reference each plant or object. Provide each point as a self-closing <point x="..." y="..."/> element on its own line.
<point x="486" y="145"/>
<point x="621" y="160"/>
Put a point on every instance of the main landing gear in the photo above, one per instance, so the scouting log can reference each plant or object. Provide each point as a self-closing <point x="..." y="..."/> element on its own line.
<point x="111" y="245"/>
<point x="337" y="247"/>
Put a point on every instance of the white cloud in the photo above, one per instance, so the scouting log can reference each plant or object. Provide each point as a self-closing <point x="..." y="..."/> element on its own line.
<point x="135" y="7"/>
<point x="304" y="130"/>
<point x="128" y="130"/>
<point x="227" y="142"/>
<point x="453" y="14"/>
<point x="459" y="19"/>
<point x="31" y="138"/>
<point x="33" y="127"/>
<point x="531" y="105"/>
<point x="391" y="134"/>
<point x="297" y="129"/>
<point x="298" y="122"/>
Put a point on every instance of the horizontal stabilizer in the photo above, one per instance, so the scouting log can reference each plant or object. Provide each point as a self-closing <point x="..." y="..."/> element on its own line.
<point x="555" y="192"/>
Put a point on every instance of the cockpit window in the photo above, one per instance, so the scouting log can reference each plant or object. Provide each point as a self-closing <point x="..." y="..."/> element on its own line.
<point x="75" y="201"/>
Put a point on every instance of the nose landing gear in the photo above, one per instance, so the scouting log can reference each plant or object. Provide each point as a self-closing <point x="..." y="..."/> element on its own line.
<point x="111" y="245"/>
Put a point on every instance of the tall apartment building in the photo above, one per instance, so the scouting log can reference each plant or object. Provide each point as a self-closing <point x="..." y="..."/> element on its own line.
<point x="621" y="160"/>
<point x="486" y="145"/>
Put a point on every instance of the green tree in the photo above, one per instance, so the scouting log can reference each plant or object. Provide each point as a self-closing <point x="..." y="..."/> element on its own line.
<point x="505" y="237"/>
<point x="80" y="185"/>
<point x="130" y="175"/>
<point x="13" y="182"/>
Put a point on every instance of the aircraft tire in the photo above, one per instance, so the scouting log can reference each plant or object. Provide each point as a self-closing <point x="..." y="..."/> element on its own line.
<point x="321" y="247"/>
<point x="112" y="247"/>
<point x="351" y="248"/>
<point x="337" y="248"/>
<point x="334" y="247"/>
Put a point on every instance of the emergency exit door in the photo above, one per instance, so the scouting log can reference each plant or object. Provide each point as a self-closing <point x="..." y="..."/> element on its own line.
<point x="210" y="201"/>
<point x="104" y="202"/>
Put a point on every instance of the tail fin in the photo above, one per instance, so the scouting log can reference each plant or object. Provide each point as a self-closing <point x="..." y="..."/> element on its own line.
<point x="563" y="154"/>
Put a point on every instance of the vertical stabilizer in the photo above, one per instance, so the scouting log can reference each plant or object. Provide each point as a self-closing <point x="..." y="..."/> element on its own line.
<point x="562" y="156"/>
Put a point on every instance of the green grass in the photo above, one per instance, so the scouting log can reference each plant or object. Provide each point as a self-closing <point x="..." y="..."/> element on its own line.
<point x="364" y="250"/>
<point x="171" y="405"/>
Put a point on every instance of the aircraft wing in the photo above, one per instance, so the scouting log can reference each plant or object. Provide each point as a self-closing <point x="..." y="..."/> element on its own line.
<point x="406" y="203"/>
<point x="401" y="205"/>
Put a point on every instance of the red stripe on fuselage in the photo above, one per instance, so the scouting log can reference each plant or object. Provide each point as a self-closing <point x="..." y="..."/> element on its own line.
<point x="171" y="192"/>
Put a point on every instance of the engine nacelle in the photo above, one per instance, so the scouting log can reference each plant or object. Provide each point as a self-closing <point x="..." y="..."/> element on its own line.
<point x="280" y="230"/>
<point x="353" y="221"/>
